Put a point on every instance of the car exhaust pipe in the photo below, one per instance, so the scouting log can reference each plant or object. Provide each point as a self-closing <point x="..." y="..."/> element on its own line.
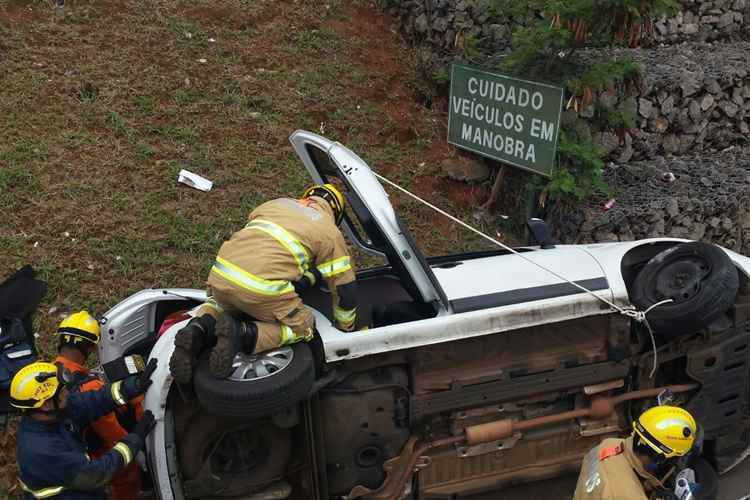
<point x="601" y="407"/>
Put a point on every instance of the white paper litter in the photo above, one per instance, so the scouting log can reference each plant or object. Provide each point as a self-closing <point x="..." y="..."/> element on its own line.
<point x="194" y="180"/>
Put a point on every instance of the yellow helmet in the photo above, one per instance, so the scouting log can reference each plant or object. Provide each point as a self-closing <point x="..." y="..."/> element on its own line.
<point x="332" y="195"/>
<point x="79" y="326"/>
<point x="33" y="385"/>
<point x="668" y="430"/>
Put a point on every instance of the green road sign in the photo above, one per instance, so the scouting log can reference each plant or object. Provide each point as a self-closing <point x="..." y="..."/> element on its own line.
<point x="511" y="120"/>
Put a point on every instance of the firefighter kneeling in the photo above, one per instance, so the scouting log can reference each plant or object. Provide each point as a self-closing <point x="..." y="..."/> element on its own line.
<point x="638" y="467"/>
<point x="287" y="245"/>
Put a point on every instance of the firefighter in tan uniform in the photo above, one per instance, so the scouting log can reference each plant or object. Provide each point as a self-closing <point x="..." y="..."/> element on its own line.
<point x="637" y="467"/>
<point x="288" y="245"/>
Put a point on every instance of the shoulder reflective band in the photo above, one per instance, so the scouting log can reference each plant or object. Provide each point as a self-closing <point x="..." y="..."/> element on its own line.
<point x="335" y="266"/>
<point x="117" y="394"/>
<point x="345" y="317"/>
<point x="292" y="244"/>
<point x="249" y="281"/>
<point x="124" y="451"/>
<point x="43" y="492"/>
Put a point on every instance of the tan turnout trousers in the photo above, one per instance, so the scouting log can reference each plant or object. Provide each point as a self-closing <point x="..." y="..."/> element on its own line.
<point x="255" y="267"/>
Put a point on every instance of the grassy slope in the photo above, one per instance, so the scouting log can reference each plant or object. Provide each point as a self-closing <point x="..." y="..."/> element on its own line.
<point x="102" y="103"/>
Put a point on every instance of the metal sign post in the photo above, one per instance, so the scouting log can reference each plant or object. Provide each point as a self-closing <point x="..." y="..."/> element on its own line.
<point x="511" y="120"/>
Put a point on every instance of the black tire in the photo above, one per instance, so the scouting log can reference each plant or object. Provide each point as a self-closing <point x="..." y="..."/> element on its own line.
<point x="256" y="398"/>
<point x="259" y="450"/>
<point x="707" y="477"/>
<point x="699" y="277"/>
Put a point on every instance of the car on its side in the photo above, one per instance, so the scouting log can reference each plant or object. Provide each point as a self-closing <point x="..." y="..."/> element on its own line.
<point x="479" y="370"/>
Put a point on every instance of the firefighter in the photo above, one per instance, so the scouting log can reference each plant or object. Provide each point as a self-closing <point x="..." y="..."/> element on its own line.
<point x="636" y="468"/>
<point x="78" y="338"/>
<point x="51" y="452"/>
<point x="287" y="245"/>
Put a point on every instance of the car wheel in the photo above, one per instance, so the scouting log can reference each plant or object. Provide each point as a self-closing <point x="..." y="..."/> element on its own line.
<point x="260" y="384"/>
<point x="707" y="478"/>
<point x="224" y="457"/>
<point x="699" y="278"/>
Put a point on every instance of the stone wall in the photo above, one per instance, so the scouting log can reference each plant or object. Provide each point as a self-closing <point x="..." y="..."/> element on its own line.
<point x="695" y="97"/>
<point x="439" y="27"/>
<point x="701" y="197"/>
<point x="705" y="21"/>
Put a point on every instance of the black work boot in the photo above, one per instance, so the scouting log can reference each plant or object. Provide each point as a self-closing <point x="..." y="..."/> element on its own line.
<point x="233" y="337"/>
<point x="189" y="342"/>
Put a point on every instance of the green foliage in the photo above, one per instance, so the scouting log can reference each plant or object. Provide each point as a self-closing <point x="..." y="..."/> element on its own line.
<point x="579" y="172"/>
<point x="604" y="74"/>
<point x="546" y="37"/>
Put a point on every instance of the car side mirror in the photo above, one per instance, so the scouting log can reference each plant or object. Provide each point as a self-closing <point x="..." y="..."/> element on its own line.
<point x="540" y="233"/>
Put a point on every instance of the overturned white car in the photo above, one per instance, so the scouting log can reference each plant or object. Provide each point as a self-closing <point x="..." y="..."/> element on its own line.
<point x="479" y="370"/>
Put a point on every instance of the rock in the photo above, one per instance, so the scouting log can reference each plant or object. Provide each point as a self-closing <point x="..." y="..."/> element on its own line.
<point x="645" y="107"/>
<point x="627" y="151"/>
<point x="607" y="141"/>
<point x="440" y="24"/>
<point x="712" y="86"/>
<point x="689" y="84"/>
<point x="727" y="224"/>
<point x="667" y="106"/>
<point x="690" y="29"/>
<point x="737" y="96"/>
<point x="739" y="5"/>
<point x="461" y="6"/>
<point x="421" y="24"/>
<point x="465" y="169"/>
<point x="698" y="231"/>
<point x="707" y="101"/>
<point x="744" y="128"/>
<point x="695" y="111"/>
<point x="659" y="124"/>
<point x="671" y="143"/>
<point x="725" y="20"/>
<point x="714" y="221"/>
<point x="730" y="109"/>
<point x="672" y="207"/>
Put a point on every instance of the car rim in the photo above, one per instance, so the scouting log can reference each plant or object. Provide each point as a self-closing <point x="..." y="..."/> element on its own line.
<point x="680" y="280"/>
<point x="238" y="452"/>
<point x="247" y="367"/>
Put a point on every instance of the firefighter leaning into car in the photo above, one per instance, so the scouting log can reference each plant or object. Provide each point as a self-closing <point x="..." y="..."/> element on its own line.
<point x="78" y="337"/>
<point x="637" y="468"/>
<point x="287" y="245"/>
<point x="51" y="451"/>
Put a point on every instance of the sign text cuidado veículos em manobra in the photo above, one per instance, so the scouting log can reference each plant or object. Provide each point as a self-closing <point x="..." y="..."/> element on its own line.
<point x="508" y="119"/>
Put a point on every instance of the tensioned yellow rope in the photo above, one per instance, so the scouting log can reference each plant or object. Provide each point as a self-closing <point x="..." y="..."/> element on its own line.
<point x="629" y="311"/>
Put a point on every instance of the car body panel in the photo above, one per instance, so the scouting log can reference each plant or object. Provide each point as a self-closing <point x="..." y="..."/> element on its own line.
<point x="156" y="401"/>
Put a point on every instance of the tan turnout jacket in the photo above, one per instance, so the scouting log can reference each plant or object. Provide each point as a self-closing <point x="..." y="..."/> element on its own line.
<point x="611" y="471"/>
<point x="283" y="238"/>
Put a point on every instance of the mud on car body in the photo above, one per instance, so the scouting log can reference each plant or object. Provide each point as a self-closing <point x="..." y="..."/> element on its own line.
<point x="479" y="370"/>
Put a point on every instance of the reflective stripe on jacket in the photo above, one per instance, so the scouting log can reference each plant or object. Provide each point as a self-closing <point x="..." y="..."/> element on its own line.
<point x="52" y="456"/>
<point x="282" y="239"/>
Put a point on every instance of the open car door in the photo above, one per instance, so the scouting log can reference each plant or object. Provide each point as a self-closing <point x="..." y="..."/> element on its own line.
<point x="382" y="232"/>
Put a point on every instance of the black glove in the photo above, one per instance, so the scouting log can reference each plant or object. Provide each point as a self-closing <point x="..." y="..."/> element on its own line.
<point x="310" y="279"/>
<point x="136" y="440"/>
<point x="138" y="384"/>
<point x="145" y="425"/>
